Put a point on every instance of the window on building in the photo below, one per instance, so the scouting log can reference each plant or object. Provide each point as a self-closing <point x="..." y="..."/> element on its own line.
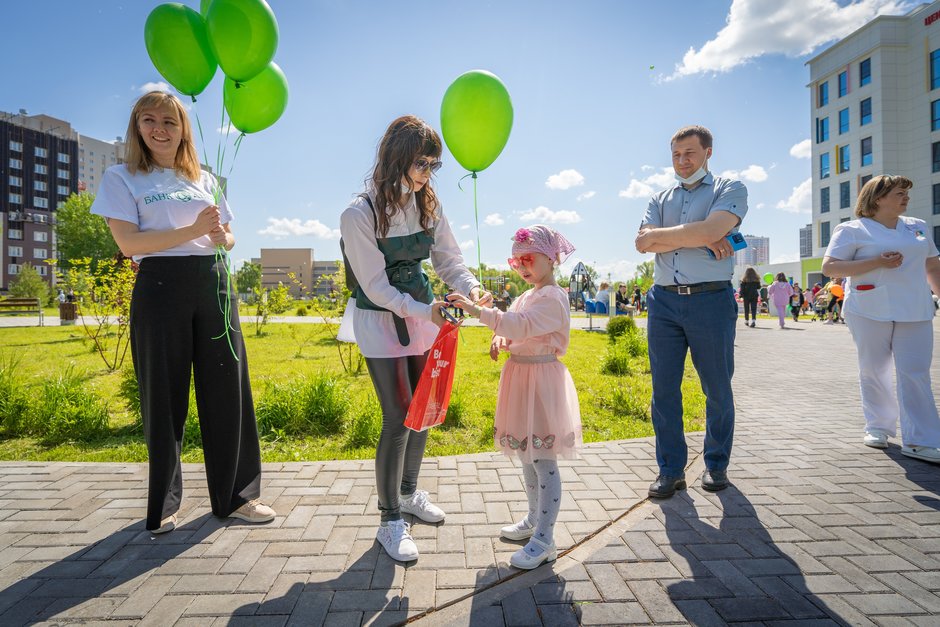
<point x="935" y="115"/>
<point x="16" y="164"/>
<point x="15" y="233"/>
<point x="15" y="199"/>
<point x="16" y="146"/>
<point x="935" y="69"/>
<point x="40" y="152"/>
<point x="936" y="233"/>
<point x="822" y="130"/>
<point x="63" y="157"/>
<point x="864" y="180"/>
<point x="843" y="83"/>
<point x="13" y="268"/>
<point x="16" y="181"/>
<point x="41" y="270"/>
<point x="866" y="151"/>
<point x="823" y="94"/>
<point x="843" y="121"/>
<point x="824" y="164"/>
<point x="845" y="159"/>
<point x="15" y="251"/>
<point x="40" y="169"/>
<point x="845" y="191"/>
<point x="63" y="174"/>
<point x="39" y="186"/>
<point x="40" y="253"/>
<point x="62" y="190"/>
<point x="841" y="220"/>
<point x="935" y="149"/>
<point x="40" y="236"/>
<point x="824" y="200"/>
<point x="936" y="199"/>
<point x="864" y="72"/>
<point x="40" y="203"/>
<point x="864" y="112"/>
<point x="823" y="233"/>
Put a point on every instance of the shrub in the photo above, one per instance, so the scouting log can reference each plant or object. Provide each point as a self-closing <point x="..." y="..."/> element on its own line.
<point x="302" y="310"/>
<point x="619" y="326"/>
<point x="130" y="392"/>
<point x="617" y="359"/>
<point x="365" y="427"/>
<point x="635" y="344"/>
<point x="14" y="399"/>
<point x="66" y="410"/>
<point x="309" y="406"/>
<point x="625" y="401"/>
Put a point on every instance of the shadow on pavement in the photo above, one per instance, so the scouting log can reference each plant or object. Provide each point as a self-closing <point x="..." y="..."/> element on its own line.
<point x="924" y="474"/>
<point x="737" y="571"/>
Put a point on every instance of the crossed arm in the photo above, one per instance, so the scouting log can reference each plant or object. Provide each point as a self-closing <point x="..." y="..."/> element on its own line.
<point x="709" y="232"/>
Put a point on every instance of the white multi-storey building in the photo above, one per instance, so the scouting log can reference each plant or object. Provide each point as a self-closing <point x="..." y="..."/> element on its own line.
<point x="876" y="110"/>
<point x="756" y="253"/>
<point x="94" y="157"/>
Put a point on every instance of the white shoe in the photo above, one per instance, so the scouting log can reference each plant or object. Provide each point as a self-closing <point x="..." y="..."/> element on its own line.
<point x="166" y="525"/>
<point x="524" y="558"/>
<point x="418" y="505"/>
<point x="522" y="530"/>
<point x="875" y="440"/>
<point x="397" y="541"/>
<point x="925" y="453"/>
<point x="254" y="511"/>
<point x="828" y="322"/>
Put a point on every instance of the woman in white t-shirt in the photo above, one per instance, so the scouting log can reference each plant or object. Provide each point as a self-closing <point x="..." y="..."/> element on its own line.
<point x="162" y="211"/>
<point x="890" y="260"/>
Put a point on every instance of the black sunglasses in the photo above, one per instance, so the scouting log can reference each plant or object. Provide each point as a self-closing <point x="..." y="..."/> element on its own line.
<point x="422" y="165"/>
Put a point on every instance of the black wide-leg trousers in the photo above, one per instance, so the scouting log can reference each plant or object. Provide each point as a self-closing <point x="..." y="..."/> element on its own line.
<point x="177" y="328"/>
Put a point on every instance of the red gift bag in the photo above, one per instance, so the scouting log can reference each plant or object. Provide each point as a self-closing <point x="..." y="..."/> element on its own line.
<point x="429" y="403"/>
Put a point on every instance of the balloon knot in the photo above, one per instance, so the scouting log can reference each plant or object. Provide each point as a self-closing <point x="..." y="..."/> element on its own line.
<point x="238" y="85"/>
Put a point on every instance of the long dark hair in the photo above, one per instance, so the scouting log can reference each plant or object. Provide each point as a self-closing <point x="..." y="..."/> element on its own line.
<point x="406" y="139"/>
<point x="750" y="276"/>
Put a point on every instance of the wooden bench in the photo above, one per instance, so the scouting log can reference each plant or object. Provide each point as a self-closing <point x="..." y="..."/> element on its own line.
<point x="22" y="306"/>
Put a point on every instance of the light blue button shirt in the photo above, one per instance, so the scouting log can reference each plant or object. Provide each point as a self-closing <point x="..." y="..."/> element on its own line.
<point x="676" y="206"/>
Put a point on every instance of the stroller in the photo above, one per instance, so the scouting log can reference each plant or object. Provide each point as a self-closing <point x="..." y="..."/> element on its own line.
<point x="820" y="306"/>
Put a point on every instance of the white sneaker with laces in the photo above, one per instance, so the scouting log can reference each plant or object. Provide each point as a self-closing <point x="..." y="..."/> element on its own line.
<point x="254" y="511"/>
<point x="521" y="530"/>
<point x="418" y="505"/>
<point x="875" y="440"/>
<point x="925" y="453"/>
<point x="533" y="555"/>
<point x="397" y="541"/>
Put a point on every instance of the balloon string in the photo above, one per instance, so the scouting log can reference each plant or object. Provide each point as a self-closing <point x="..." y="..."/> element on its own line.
<point x="461" y="180"/>
<point x="476" y="215"/>
<point x="226" y="307"/>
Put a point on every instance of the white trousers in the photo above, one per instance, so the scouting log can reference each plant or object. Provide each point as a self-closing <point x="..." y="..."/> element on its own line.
<point x="910" y="345"/>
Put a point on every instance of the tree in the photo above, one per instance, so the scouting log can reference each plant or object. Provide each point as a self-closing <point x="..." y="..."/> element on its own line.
<point x="644" y="275"/>
<point x="248" y="277"/>
<point x="591" y="272"/>
<point x="80" y="233"/>
<point x="28" y="284"/>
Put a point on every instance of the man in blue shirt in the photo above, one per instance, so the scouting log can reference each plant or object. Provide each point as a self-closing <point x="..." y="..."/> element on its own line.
<point x="692" y="307"/>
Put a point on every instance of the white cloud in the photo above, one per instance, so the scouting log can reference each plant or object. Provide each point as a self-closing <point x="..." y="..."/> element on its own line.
<point x="467" y="245"/>
<point x="752" y="174"/>
<point x="464" y="227"/>
<point x="646" y="168"/>
<point x="802" y="150"/>
<point x="794" y="28"/>
<point x="565" y="179"/>
<point x="546" y="215"/>
<point x="494" y="219"/>
<point x="760" y="205"/>
<point x="644" y="188"/>
<point x="586" y="195"/>
<point x="152" y="86"/>
<point x="279" y="228"/>
<point x="800" y="200"/>
<point x="619" y="270"/>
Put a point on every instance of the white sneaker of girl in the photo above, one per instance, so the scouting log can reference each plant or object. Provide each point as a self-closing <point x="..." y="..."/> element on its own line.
<point x="418" y="505"/>
<point x="533" y="554"/>
<point x="521" y="530"/>
<point x="397" y="541"/>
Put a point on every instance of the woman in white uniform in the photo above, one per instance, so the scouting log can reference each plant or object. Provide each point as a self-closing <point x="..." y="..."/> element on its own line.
<point x="889" y="260"/>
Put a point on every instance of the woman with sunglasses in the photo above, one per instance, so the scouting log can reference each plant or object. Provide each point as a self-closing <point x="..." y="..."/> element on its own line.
<point x="891" y="264"/>
<point x="387" y="232"/>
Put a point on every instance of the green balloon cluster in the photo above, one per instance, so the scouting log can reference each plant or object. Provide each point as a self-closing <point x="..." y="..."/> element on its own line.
<point x="476" y="118"/>
<point x="241" y="37"/>
<point x="768" y="278"/>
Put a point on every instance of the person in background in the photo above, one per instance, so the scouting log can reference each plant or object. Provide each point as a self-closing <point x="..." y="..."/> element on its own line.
<point x="780" y="292"/>
<point x="639" y="299"/>
<point x="750" y="291"/>
<point x="623" y="299"/>
<point x="603" y="294"/>
<point x="796" y="302"/>
<point x="892" y="264"/>
<point x="836" y="294"/>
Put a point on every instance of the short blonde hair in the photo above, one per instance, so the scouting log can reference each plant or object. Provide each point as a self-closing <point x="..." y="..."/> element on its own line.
<point x="874" y="190"/>
<point x="137" y="156"/>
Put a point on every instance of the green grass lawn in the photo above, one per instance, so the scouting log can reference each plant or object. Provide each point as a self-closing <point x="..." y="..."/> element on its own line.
<point x="612" y="407"/>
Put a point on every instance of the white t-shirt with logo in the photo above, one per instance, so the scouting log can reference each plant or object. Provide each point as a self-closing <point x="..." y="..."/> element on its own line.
<point x="158" y="201"/>
<point x="896" y="294"/>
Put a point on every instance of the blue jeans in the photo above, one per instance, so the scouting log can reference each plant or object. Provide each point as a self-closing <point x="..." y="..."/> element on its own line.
<point x="705" y="324"/>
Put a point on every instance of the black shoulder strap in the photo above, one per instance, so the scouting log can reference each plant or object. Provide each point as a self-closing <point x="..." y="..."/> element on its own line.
<point x="375" y="217"/>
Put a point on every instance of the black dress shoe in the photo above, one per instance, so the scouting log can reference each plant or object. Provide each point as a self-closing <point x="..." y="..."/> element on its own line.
<point x="665" y="486"/>
<point x="715" y="480"/>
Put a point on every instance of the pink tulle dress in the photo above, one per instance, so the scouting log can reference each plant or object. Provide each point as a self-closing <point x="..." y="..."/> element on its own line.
<point x="537" y="412"/>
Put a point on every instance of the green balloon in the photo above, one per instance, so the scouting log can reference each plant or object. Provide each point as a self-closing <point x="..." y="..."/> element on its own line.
<point x="768" y="278"/>
<point x="176" y="41"/>
<point x="243" y="35"/>
<point x="256" y="104"/>
<point x="204" y="7"/>
<point x="476" y="118"/>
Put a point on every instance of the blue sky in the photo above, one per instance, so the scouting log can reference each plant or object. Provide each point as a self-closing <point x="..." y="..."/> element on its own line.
<point x="598" y="87"/>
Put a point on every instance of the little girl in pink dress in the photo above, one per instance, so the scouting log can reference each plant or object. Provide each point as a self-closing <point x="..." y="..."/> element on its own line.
<point x="537" y="416"/>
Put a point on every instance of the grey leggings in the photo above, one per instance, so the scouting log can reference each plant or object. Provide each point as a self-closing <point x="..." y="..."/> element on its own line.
<point x="400" y="450"/>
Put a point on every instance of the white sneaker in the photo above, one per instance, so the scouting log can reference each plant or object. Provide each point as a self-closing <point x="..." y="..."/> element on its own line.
<point x="925" y="453"/>
<point x="166" y="525"/>
<point x="522" y="530"/>
<point x="418" y="505"/>
<point x="254" y="511"/>
<point x="533" y="555"/>
<point x="875" y="440"/>
<point x="397" y="541"/>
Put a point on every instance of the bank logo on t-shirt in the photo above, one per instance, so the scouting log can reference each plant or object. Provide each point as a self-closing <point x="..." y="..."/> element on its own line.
<point x="182" y="195"/>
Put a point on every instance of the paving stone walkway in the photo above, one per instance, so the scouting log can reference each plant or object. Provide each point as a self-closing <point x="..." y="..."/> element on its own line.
<point x="817" y="529"/>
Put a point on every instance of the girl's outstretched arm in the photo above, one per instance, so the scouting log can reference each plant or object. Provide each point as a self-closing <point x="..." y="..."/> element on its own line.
<point x="541" y="316"/>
